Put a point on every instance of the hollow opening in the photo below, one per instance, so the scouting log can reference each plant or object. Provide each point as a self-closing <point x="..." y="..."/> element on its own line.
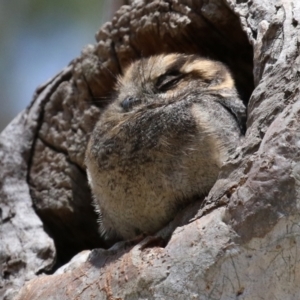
<point x="215" y="33"/>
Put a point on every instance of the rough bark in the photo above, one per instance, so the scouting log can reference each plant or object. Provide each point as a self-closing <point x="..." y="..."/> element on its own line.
<point x="241" y="242"/>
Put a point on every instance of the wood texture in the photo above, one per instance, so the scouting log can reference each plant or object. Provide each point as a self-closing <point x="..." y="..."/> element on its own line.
<point x="241" y="242"/>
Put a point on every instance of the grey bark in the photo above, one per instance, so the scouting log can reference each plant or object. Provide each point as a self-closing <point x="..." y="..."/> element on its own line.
<point x="240" y="243"/>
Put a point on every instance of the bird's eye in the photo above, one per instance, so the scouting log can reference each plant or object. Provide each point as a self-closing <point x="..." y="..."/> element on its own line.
<point x="168" y="80"/>
<point x="129" y="102"/>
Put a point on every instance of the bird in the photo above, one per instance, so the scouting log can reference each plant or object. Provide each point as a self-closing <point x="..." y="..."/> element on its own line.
<point x="173" y="121"/>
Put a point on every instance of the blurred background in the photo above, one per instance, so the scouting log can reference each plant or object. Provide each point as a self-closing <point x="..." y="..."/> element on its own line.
<point x="37" y="39"/>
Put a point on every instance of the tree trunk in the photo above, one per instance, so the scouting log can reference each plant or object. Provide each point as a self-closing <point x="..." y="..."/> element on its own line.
<point x="241" y="241"/>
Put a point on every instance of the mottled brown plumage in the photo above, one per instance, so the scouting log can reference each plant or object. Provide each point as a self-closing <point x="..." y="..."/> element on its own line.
<point x="174" y="121"/>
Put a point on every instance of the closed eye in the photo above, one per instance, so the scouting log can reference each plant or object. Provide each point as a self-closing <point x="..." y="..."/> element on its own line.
<point x="168" y="80"/>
